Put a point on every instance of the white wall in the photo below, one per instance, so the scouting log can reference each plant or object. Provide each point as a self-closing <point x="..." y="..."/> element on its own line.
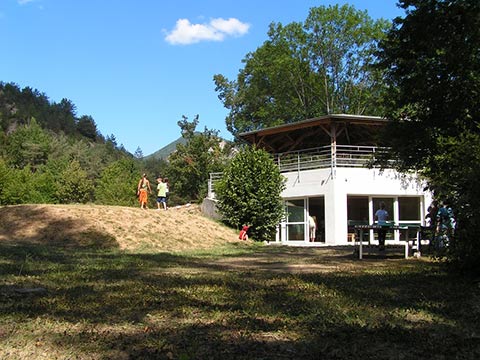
<point x="348" y="181"/>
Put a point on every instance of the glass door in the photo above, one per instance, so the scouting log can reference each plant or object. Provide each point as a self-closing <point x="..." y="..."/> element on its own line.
<point x="409" y="214"/>
<point x="295" y="215"/>
<point x="316" y="209"/>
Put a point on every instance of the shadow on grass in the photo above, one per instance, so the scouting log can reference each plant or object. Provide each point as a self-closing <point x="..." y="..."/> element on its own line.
<point x="48" y="230"/>
<point x="164" y="306"/>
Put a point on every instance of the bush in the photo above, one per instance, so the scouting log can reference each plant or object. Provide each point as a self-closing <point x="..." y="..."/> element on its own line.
<point x="249" y="193"/>
<point x="73" y="186"/>
<point x="118" y="184"/>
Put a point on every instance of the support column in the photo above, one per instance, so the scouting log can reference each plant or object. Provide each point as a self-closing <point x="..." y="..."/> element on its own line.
<point x="333" y="149"/>
<point x="335" y="214"/>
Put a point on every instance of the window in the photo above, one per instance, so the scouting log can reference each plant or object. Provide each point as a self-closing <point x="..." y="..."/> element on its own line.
<point x="409" y="208"/>
<point x="357" y="208"/>
<point x="357" y="214"/>
<point x="295" y="211"/>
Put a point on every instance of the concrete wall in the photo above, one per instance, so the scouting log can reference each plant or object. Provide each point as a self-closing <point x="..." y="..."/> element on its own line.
<point x="209" y="208"/>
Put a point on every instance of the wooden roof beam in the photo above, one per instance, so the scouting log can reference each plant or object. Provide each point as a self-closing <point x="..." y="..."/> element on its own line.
<point x="302" y="137"/>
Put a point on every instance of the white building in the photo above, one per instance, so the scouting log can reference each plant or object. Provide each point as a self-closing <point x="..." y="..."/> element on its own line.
<point x="325" y="161"/>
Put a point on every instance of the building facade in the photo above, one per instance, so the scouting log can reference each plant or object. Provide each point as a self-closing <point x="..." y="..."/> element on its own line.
<point x="328" y="166"/>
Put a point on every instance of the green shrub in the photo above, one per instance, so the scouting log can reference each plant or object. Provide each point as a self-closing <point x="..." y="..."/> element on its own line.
<point x="73" y="185"/>
<point x="249" y="193"/>
<point x="118" y="184"/>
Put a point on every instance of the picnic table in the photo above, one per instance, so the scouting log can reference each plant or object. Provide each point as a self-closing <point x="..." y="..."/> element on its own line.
<point x="391" y="227"/>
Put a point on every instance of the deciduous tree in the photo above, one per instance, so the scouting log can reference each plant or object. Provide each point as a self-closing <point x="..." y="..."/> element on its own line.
<point x="190" y="165"/>
<point x="307" y="69"/>
<point x="432" y="58"/>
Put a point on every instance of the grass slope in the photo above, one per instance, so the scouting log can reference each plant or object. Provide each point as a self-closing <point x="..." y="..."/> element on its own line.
<point x="176" y="229"/>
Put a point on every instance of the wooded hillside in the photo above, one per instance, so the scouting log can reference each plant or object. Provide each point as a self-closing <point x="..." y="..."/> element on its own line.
<point x="49" y="154"/>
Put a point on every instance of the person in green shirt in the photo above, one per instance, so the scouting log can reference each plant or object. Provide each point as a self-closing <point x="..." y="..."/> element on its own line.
<point x="161" y="194"/>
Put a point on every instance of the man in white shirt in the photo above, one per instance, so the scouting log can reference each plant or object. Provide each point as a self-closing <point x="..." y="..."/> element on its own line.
<point x="381" y="217"/>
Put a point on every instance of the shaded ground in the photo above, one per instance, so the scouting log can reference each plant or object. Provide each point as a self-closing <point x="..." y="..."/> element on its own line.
<point x="93" y="282"/>
<point x="245" y="302"/>
<point x="294" y="260"/>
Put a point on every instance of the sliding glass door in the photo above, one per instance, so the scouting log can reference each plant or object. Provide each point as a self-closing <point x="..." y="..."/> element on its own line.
<point x="295" y="215"/>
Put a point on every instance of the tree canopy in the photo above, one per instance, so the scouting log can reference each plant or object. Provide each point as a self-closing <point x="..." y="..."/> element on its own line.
<point x="306" y="70"/>
<point x="432" y="63"/>
<point x="190" y="165"/>
<point x="50" y="155"/>
<point x="47" y="153"/>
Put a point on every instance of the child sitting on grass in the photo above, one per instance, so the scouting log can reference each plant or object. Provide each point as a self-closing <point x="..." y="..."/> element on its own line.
<point x="243" y="233"/>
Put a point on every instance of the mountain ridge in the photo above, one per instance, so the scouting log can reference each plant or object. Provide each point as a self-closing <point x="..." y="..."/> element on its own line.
<point x="164" y="152"/>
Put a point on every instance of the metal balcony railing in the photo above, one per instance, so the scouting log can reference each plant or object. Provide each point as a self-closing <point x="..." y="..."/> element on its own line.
<point x="214" y="177"/>
<point x="324" y="157"/>
<point x="317" y="158"/>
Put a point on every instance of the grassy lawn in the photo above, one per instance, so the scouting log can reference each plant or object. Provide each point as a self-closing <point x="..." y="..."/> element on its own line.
<point x="237" y="302"/>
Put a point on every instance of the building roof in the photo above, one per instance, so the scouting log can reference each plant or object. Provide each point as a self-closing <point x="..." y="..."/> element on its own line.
<point x="319" y="131"/>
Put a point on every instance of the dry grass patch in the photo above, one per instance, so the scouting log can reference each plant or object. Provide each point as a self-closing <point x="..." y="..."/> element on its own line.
<point x="177" y="229"/>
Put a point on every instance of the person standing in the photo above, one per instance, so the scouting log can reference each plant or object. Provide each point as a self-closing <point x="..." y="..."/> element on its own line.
<point x="165" y="180"/>
<point x="161" y="194"/>
<point x="445" y="225"/>
<point x="381" y="217"/>
<point x="143" y="189"/>
<point x="431" y="216"/>
<point x="312" y="225"/>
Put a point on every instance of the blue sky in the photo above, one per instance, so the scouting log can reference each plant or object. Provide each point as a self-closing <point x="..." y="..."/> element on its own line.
<point x="137" y="66"/>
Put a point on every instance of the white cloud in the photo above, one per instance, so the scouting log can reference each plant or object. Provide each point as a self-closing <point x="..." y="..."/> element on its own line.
<point x="186" y="33"/>
<point x="231" y="26"/>
<point x="23" y="2"/>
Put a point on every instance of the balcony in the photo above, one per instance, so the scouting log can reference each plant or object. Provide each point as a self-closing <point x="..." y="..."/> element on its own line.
<point x="324" y="157"/>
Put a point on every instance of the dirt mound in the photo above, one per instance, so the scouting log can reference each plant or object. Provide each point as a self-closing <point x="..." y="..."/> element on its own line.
<point x="176" y="229"/>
